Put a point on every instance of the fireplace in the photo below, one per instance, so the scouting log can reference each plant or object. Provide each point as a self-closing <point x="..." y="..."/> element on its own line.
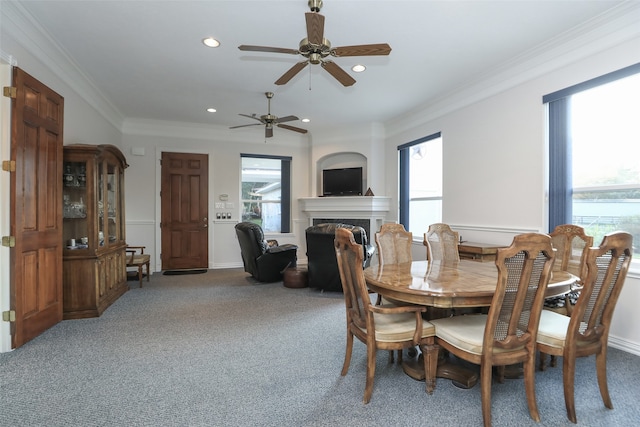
<point x="369" y="212"/>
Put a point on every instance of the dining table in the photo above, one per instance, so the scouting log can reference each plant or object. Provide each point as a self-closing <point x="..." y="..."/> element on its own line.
<point x="447" y="285"/>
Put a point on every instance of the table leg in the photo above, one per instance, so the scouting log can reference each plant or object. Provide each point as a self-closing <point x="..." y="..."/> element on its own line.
<point x="458" y="374"/>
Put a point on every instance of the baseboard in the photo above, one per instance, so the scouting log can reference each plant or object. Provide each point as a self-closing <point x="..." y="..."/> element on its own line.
<point x="624" y="345"/>
<point x="219" y="266"/>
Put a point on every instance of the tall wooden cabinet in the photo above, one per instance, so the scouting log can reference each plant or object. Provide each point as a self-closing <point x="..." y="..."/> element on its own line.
<point x="94" y="259"/>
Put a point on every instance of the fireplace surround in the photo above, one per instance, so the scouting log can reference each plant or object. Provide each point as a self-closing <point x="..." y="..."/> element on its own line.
<point x="369" y="212"/>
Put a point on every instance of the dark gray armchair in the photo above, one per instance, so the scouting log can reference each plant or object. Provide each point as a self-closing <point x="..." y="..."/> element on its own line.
<point x="264" y="260"/>
<point x="321" y="254"/>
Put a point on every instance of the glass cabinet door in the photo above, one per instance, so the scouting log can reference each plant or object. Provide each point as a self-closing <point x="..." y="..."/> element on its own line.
<point x="113" y="211"/>
<point x="120" y="204"/>
<point x="74" y="205"/>
<point x="101" y="204"/>
<point x="93" y="182"/>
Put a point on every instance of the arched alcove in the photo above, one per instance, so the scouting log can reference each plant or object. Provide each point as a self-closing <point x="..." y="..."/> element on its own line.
<point x="341" y="160"/>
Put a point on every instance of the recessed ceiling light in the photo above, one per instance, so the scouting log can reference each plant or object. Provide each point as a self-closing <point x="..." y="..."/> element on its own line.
<point x="358" y="68"/>
<point x="211" y="42"/>
<point x="211" y="110"/>
<point x="306" y="120"/>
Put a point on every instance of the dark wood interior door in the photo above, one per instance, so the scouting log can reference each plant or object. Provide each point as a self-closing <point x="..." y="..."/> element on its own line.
<point x="184" y="211"/>
<point x="36" y="208"/>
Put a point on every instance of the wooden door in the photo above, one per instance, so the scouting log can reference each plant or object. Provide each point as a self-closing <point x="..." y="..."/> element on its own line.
<point x="184" y="210"/>
<point x="36" y="208"/>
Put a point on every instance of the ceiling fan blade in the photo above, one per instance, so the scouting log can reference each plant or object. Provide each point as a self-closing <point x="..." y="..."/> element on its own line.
<point x="315" y="27"/>
<point x="338" y="73"/>
<point x="251" y="117"/>
<point x="362" y="50"/>
<point x="287" y="119"/>
<point x="284" y="79"/>
<point x="267" y="49"/>
<point x="244" y="126"/>
<point x="293" y="128"/>
<point x="268" y="132"/>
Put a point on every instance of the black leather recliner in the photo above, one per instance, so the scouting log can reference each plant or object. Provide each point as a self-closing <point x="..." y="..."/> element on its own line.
<point x="321" y="255"/>
<point x="264" y="260"/>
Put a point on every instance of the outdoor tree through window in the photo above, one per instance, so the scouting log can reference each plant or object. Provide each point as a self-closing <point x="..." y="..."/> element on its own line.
<point x="266" y="192"/>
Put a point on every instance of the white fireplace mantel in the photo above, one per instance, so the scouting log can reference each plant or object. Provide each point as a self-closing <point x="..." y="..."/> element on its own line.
<point x="373" y="208"/>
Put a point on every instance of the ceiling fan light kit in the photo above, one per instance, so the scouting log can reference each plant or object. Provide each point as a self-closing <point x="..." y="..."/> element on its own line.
<point x="315" y="5"/>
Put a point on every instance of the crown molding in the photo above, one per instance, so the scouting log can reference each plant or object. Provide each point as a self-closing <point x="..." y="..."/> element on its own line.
<point x="614" y="27"/>
<point x="213" y="133"/>
<point x="26" y="31"/>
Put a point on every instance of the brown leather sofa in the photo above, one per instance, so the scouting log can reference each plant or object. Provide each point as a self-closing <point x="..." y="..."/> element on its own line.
<point x="321" y="256"/>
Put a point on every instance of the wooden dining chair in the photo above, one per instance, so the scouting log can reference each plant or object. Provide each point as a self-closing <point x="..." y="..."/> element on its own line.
<point x="571" y="244"/>
<point x="507" y="334"/>
<point x="138" y="259"/>
<point x="394" y="244"/>
<point x="379" y="327"/>
<point x="586" y="331"/>
<point x="441" y="242"/>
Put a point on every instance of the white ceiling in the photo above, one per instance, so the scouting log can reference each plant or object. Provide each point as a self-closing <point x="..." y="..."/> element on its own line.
<point x="147" y="59"/>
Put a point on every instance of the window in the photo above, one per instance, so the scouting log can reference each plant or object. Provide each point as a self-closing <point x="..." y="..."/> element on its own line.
<point x="266" y="192"/>
<point x="421" y="183"/>
<point x="595" y="155"/>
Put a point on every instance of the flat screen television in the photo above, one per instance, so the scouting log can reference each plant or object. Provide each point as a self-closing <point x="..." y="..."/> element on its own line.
<point x="342" y="182"/>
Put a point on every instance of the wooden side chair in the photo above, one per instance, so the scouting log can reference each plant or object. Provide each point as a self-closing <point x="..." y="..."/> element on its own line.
<point x="138" y="259"/>
<point x="571" y="244"/>
<point x="379" y="327"/>
<point x="507" y="334"/>
<point x="586" y="331"/>
<point x="442" y="243"/>
<point x="394" y="244"/>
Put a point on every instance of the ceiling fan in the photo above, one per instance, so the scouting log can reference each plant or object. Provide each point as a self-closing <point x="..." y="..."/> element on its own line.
<point x="269" y="120"/>
<point x="316" y="48"/>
